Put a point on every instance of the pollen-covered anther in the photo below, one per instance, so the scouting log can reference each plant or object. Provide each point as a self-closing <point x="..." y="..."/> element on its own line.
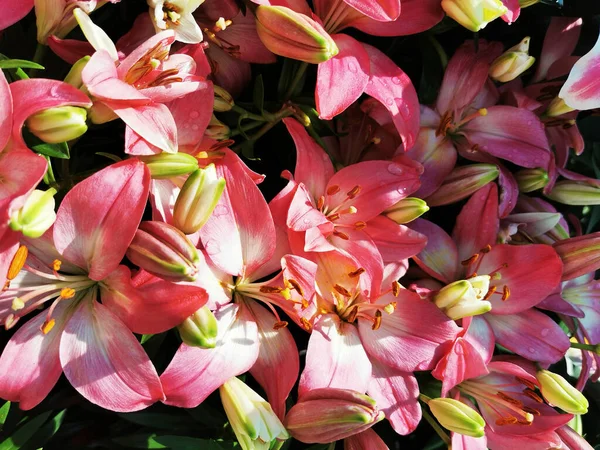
<point x="471" y="260"/>
<point x="360" y="225"/>
<point x="321" y="202"/>
<point x="332" y="190"/>
<point x="510" y="420"/>
<point x="354" y="191"/>
<point x="526" y="382"/>
<point x="47" y="326"/>
<point x="280" y="324"/>
<point x="296" y="286"/>
<point x="222" y="24"/>
<point x="395" y="288"/>
<point x="376" y="321"/>
<point x="532" y="395"/>
<point x="17" y="304"/>
<point x="286" y="294"/>
<point x="351" y="210"/>
<point x="342" y="290"/>
<point x="486" y="249"/>
<point x="509" y="399"/>
<point x="505" y="293"/>
<point x="489" y="293"/>
<point x="270" y="289"/>
<point x="341" y="235"/>
<point x="67" y="292"/>
<point x="17" y="263"/>
<point x="529" y="410"/>
<point x="306" y="324"/>
<point x="56" y="265"/>
<point x="333" y="217"/>
<point x="390" y="307"/>
<point x="357" y="272"/>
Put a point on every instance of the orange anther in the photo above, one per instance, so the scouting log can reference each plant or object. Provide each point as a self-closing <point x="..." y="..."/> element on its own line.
<point x="395" y="288"/>
<point x="342" y="290"/>
<point x="47" y="326"/>
<point x="354" y="191"/>
<point x="280" y="324"/>
<point x="56" y="265"/>
<point x="505" y="293"/>
<point x="341" y="235"/>
<point x="357" y="272"/>
<point x="67" y="292"/>
<point x="17" y="263"/>
<point x="377" y="321"/>
<point x="332" y="190"/>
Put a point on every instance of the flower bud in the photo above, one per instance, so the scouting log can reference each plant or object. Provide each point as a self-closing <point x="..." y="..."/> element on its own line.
<point x="217" y="130"/>
<point x="253" y="421"/>
<point x="580" y="255"/>
<point x="458" y="417"/>
<point x="474" y="14"/>
<point x="58" y="124"/>
<point x="200" y="329"/>
<point x="294" y="35"/>
<point x="74" y="76"/>
<point x="464" y="298"/>
<point x="462" y="182"/>
<point x="197" y="199"/>
<point x="36" y="216"/>
<point x="575" y="193"/>
<point x="164" y="251"/>
<point x="559" y="392"/>
<point x="169" y="165"/>
<point x="530" y="180"/>
<point x="407" y="210"/>
<point x="557" y="107"/>
<point x="527" y="3"/>
<point x="512" y="63"/>
<point x="223" y="100"/>
<point x="326" y="415"/>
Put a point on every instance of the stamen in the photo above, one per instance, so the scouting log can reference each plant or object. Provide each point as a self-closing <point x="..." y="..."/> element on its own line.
<point x="486" y="249"/>
<point x="56" y="265"/>
<point x="296" y="286"/>
<point x="342" y="290"/>
<point x="524" y="422"/>
<point x="354" y="191"/>
<point x="333" y="217"/>
<point x="505" y="293"/>
<point x="353" y="313"/>
<point x="321" y="202"/>
<point x="509" y="399"/>
<point x="377" y="322"/>
<point x="395" y="288"/>
<point x="332" y="190"/>
<point x="360" y="225"/>
<point x="341" y="235"/>
<point x="531" y="385"/>
<point x="306" y="324"/>
<point x="17" y="304"/>
<point x="47" y="326"/>
<point x="490" y="292"/>
<point x="532" y="395"/>
<point x="270" y="289"/>
<point x="471" y="260"/>
<point x="17" y="263"/>
<point x="535" y="412"/>
<point x="11" y="321"/>
<point x="510" y="420"/>
<point x="390" y="307"/>
<point x="67" y="292"/>
<point x="280" y="324"/>
<point x="357" y="272"/>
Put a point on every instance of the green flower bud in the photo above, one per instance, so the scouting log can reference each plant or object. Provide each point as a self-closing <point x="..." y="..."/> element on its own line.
<point x="74" y="76"/>
<point x="200" y="329"/>
<point x="557" y="107"/>
<point x="474" y="14"/>
<point x="36" y="216"/>
<point x="58" y="124"/>
<point x="407" y="210"/>
<point x="464" y="298"/>
<point x="223" y="100"/>
<point x="530" y="180"/>
<point x="169" y="165"/>
<point x="575" y="193"/>
<point x="458" y="417"/>
<point x="512" y="62"/>
<point x="559" y="392"/>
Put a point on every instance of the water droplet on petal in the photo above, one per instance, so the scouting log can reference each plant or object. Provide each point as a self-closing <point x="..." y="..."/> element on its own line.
<point x="404" y="109"/>
<point x="389" y="101"/>
<point x="531" y="350"/>
<point x="352" y="67"/>
<point x="195" y="127"/>
<point x="395" y="169"/>
<point x="545" y="332"/>
<point x="396" y="80"/>
<point x="220" y="210"/>
<point x="194" y="115"/>
<point x="212" y="247"/>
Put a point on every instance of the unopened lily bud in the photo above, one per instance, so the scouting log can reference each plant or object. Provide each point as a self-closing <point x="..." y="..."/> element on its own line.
<point x="254" y="423"/>
<point x="559" y="392"/>
<point x="458" y="417"/>
<point x="527" y="3"/>
<point x="557" y="107"/>
<point x="462" y="182"/>
<point x="36" y="216"/>
<point x="407" y="210"/>
<point x="58" y="124"/>
<point x="217" y="130"/>
<point x="197" y="199"/>
<point x="464" y="298"/>
<point x="326" y="415"/>
<point x="294" y="35"/>
<point x="474" y="14"/>
<point x="74" y="76"/>
<point x="575" y="193"/>
<point x="580" y="255"/>
<point x="223" y="100"/>
<point x="200" y="329"/>
<point x="530" y="180"/>
<point x="169" y="165"/>
<point x="512" y="63"/>
<point x="164" y="251"/>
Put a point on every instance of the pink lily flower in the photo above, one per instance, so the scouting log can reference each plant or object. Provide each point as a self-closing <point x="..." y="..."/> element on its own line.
<point x="75" y="263"/>
<point x="466" y="119"/>
<point x="239" y="240"/>
<point x="371" y="343"/>
<point x="512" y="292"/>
<point x="136" y="88"/>
<point x="13" y="11"/>
<point x="340" y="211"/>
<point x="515" y="414"/>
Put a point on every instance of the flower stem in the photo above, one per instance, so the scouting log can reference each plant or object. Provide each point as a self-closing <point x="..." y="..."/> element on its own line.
<point x="295" y="81"/>
<point x="38" y="57"/>
<point x="439" y="50"/>
<point x="588" y="347"/>
<point x="438" y="429"/>
<point x="242" y="112"/>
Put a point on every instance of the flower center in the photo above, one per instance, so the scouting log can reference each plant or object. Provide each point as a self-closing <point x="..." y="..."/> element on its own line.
<point x="344" y="208"/>
<point x="473" y="263"/>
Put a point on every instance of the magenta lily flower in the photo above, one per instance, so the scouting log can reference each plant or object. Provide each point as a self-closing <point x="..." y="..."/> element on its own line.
<point x="512" y="292"/>
<point x="514" y="411"/>
<point x="75" y="264"/>
<point x="13" y="11"/>
<point x="329" y="211"/>
<point x="371" y="343"/>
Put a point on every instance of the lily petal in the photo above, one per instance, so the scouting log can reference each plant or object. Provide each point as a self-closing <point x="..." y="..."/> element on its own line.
<point x="582" y="89"/>
<point x="440" y="257"/>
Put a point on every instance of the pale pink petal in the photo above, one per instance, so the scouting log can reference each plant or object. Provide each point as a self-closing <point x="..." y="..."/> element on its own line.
<point x="342" y="79"/>
<point x="152" y="121"/>
<point x="335" y="357"/>
<point x="104" y="361"/>
<point x="30" y="365"/>
<point x="416" y="16"/>
<point x="278" y="365"/>
<point x="393" y="88"/>
<point x="194" y="373"/>
<point x="98" y="218"/>
<point x="440" y="257"/>
<point x="477" y="224"/>
<point x="192" y="114"/>
<point x="531" y="334"/>
<point x="366" y="440"/>
<point x="560" y="41"/>
<point x="6" y="111"/>
<point x="510" y="133"/>
<point x="538" y="441"/>
<point x="463" y="442"/>
<point x="526" y="288"/>
<point x="148" y="304"/>
<point x="397" y="395"/>
<point x="394" y="242"/>
<point x="582" y="89"/>
<point x="380" y="10"/>
<point x="514" y="10"/>
<point x="402" y="342"/>
<point x="313" y="166"/>
<point x="162" y="40"/>
<point x="13" y="11"/>
<point x="242" y="236"/>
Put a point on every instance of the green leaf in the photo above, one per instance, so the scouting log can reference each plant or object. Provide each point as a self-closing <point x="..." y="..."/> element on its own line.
<point x="258" y="94"/>
<point x="45" y="433"/>
<point x="24" y="433"/>
<point x="19" y="63"/>
<point x="152" y="441"/>
<point x="145" y="338"/>
<point x="53" y="150"/>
